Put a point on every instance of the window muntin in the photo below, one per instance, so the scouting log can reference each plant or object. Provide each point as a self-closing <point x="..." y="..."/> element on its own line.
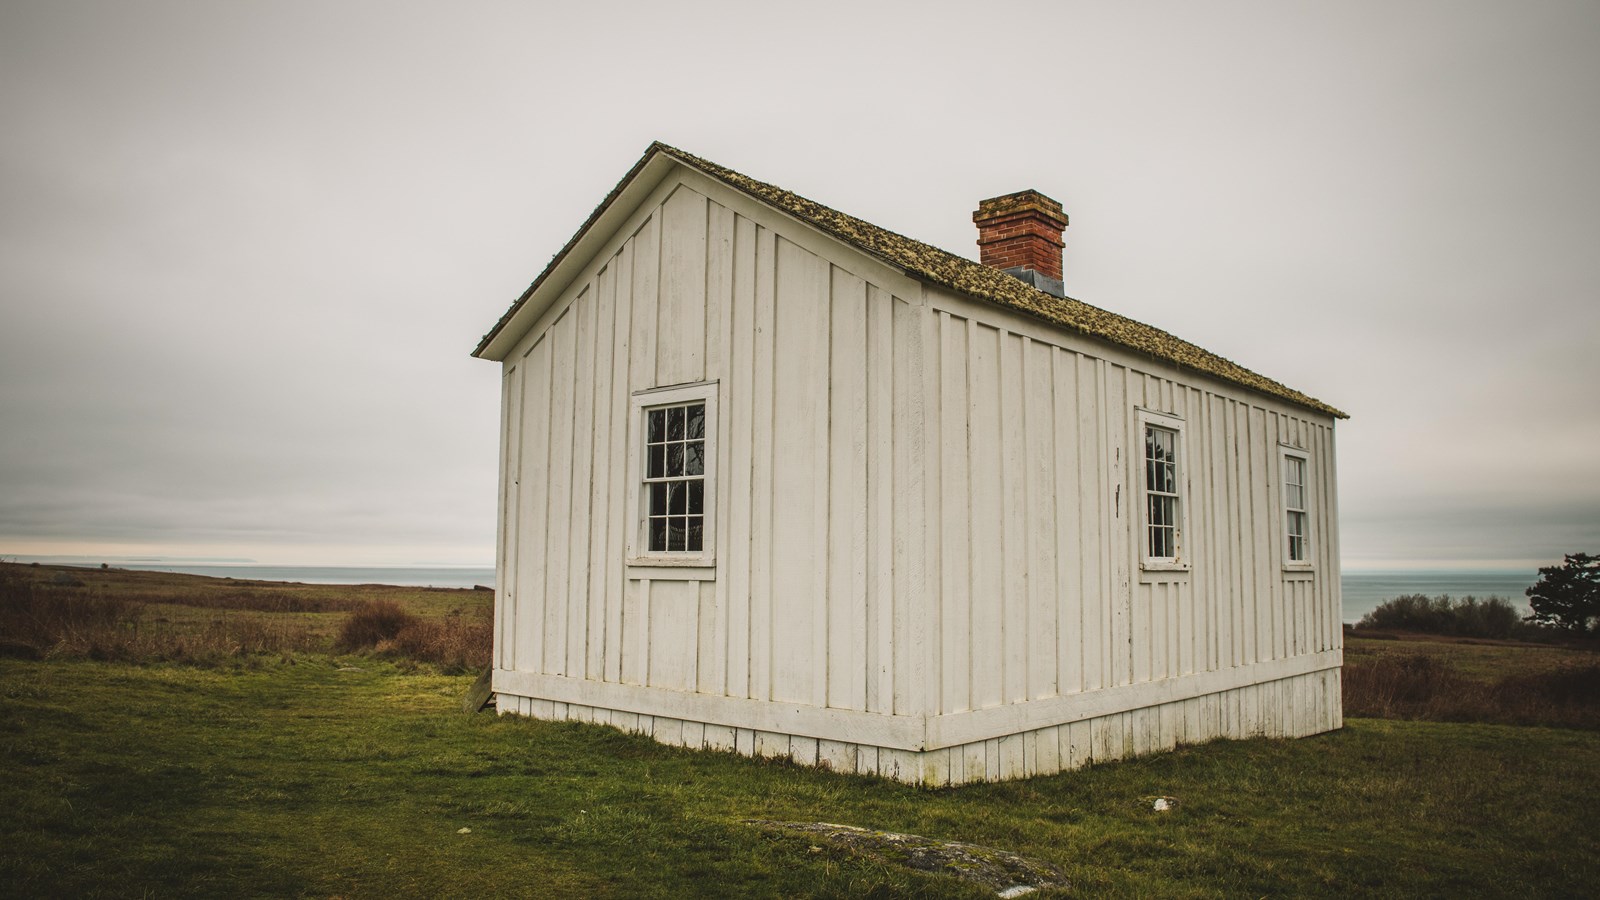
<point x="1161" y="493"/>
<point x="672" y="486"/>
<point x="675" y="454"/>
<point x="1296" y="514"/>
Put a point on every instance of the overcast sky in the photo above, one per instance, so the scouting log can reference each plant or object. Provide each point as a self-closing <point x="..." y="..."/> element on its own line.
<point x="246" y="249"/>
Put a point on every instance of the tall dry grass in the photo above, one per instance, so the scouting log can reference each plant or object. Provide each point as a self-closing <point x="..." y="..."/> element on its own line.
<point x="39" y="620"/>
<point x="1416" y="686"/>
<point x="458" y="642"/>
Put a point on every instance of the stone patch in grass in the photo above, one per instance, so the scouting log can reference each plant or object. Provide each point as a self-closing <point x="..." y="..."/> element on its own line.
<point x="1005" y="873"/>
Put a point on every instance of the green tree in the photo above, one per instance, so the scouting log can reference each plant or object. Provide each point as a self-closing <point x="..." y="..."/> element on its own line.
<point x="1568" y="596"/>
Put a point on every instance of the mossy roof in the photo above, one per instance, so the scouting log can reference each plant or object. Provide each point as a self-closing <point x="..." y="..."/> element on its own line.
<point x="930" y="264"/>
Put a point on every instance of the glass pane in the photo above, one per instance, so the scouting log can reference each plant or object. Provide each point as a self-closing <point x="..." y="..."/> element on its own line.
<point x="1149" y="443"/>
<point x="697" y="496"/>
<point x="658" y="462"/>
<point x="658" y="499"/>
<point x="696" y="533"/>
<point x="658" y="426"/>
<point x="676" y="498"/>
<point x="1150" y="475"/>
<point x="675" y="424"/>
<point x="677" y="534"/>
<point x="658" y="534"/>
<point x="1297" y="497"/>
<point x="695" y="461"/>
<point x="674" y="459"/>
<point x="697" y="421"/>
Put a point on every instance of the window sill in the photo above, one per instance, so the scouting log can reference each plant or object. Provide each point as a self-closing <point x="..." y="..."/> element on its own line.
<point x="672" y="569"/>
<point x="1159" y="572"/>
<point x="1298" y="573"/>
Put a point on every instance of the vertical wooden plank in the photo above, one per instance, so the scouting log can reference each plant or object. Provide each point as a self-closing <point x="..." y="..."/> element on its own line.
<point x="953" y="560"/>
<point x="580" y="519"/>
<point x="718" y="737"/>
<point x="1015" y="642"/>
<point x="563" y="355"/>
<point x="719" y="288"/>
<point x="1123" y="541"/>
<point x="533" y="554"/>
<point x="800" y="473"/>
<point x="761" y="516"/>
<point x="715" y="668"/>
<point x="1260" y="515"/>
<point x="882" y="355"/>
<point x="506" y="587"/>
<point x="1094" y="509"/>
<point x="1047" y="748"/>
<point x="738" y="456"/>
<point x="985" y="599"/>
<point x="646" y="303"/>
<point x="710" y="641"/>
<point x="1041" y="541"/>
<point x="1069" y="512"/>
<point x="975" y="761"/>
<point x="848" y="620"/>
<point x="1008" y="758"/>
<point x="918" y="515"/>
<point x="620" y="518"/>
<point x="604" y="479"/>
<point x="636" y="632"/>
<point x="1249" y="620"/>
<point x="681" y="331"/>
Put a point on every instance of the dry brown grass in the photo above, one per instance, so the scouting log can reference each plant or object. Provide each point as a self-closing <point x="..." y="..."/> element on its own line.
<point x="161" y="617"/>
<point x="1429" y="687"/>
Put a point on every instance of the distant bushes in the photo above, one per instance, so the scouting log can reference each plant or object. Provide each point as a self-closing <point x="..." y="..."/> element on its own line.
<point x="1494" y="617"/>
<point x="456" y="642"/>
<point x="1416" y="686"/>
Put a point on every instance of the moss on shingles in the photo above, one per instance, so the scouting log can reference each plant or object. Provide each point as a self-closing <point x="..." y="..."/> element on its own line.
<point x="928" y="263"/>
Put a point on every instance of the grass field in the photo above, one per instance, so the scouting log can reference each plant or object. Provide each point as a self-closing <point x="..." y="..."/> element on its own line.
<point x="311" y="773"/>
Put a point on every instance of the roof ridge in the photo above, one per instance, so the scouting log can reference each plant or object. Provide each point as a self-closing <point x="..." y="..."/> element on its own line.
<point x="929" y="263"/>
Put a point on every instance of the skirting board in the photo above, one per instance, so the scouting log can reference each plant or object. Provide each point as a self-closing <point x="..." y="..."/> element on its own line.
<point x="1296" y="706"/>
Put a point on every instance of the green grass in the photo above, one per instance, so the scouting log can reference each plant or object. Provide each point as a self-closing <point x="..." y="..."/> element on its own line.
<point x="292" y="779"/>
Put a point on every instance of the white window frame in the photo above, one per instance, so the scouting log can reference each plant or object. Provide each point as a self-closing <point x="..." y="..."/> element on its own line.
<point x="671" y="561"/>
<point x="1179" y="561"/>
<point x="1285" y="454"/>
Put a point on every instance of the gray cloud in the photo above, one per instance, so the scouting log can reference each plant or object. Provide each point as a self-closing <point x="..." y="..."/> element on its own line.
<point x="244" y="248"/>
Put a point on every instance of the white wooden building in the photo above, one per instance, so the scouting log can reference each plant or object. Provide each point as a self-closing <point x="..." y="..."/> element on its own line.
<point x="778" y="481"/>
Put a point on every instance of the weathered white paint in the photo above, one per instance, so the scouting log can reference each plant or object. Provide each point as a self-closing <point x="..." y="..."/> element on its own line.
<point x="927" y="517"/>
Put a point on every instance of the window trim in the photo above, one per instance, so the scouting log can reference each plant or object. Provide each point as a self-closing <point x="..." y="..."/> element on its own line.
<point x="638" y="539"/>
<point x="1287" y="452"/>
<point x="1179" y="561"/>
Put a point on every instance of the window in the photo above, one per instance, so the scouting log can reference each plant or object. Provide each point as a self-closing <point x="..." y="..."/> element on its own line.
<point x="1163" y="491"/>
<point x="674" y="478"/>
<point x="1296" y="520"/>
<point x="674" y="485"/>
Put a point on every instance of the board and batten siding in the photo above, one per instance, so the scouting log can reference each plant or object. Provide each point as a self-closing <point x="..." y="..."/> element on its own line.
<point x="1039" y="530"/>
<point x="815" y="395"/>
<point x="927" y="530"/>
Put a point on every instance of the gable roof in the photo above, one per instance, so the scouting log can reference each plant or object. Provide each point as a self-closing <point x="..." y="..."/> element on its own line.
<point x="930" y="264"/>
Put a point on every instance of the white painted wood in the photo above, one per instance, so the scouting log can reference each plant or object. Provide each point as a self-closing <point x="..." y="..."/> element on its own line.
<point x="929" y="512"/>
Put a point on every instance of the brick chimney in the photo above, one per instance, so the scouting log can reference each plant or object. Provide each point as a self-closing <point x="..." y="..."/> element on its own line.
<point x="1020" y="234"/>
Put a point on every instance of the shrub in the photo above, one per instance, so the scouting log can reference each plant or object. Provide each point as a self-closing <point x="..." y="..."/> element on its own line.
<point x="456" y="644"/>
<point x="372" y="623"/>
<point x="1493" y="617"/>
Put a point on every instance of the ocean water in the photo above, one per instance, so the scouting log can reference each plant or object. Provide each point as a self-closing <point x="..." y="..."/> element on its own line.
<point x="1363" y="590"/>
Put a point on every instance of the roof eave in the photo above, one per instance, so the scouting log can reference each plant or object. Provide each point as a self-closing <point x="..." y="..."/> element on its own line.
<point x="570" y="260"/>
